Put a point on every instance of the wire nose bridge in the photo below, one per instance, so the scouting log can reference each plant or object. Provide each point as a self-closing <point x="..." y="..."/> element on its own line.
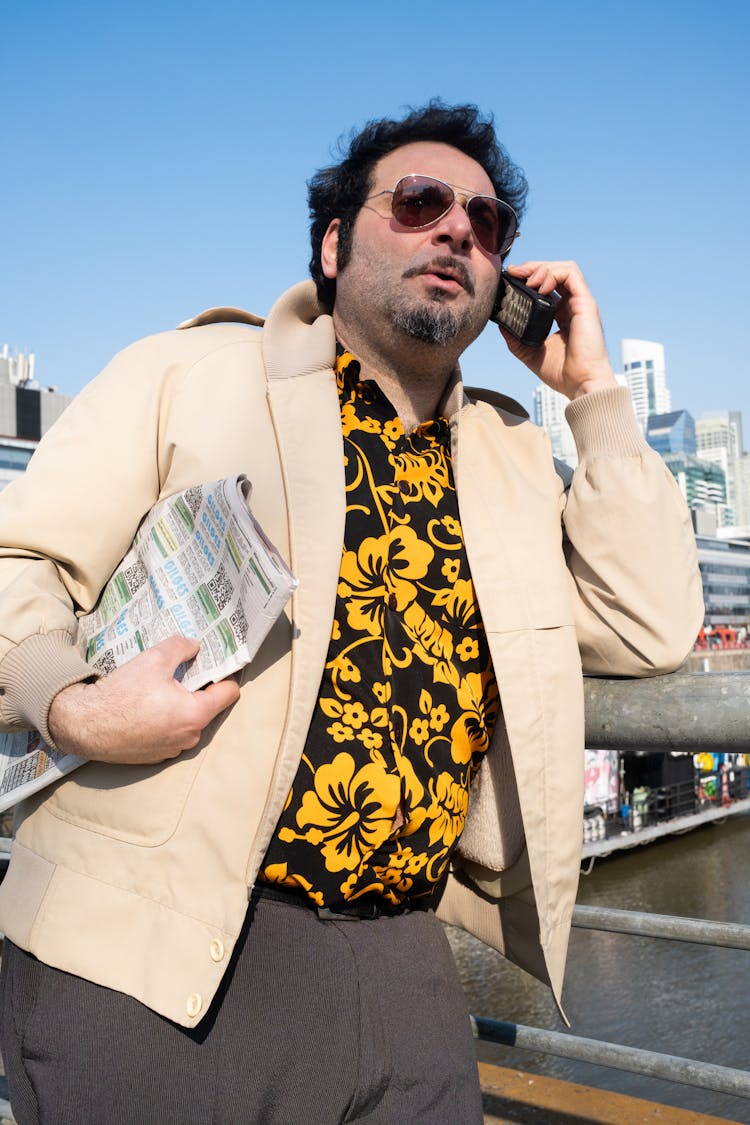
<point x="419" y="201"/>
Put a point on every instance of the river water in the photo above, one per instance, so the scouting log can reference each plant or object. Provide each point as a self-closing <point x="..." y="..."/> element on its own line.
<point x="679" y="999"/>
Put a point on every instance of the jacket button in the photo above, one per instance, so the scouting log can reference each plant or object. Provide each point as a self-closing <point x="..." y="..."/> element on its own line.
<point x="194" y="1004"/>
<point x="216" y="949"/>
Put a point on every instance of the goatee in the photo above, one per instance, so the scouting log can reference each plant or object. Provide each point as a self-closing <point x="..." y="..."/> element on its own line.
<point x="432" y="324"/>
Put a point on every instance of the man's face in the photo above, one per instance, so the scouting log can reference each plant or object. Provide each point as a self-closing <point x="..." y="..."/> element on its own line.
<point x="435" y="284"/>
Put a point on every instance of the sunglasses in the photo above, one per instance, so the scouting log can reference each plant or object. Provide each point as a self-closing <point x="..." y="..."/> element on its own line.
<point x="419" y="201"/>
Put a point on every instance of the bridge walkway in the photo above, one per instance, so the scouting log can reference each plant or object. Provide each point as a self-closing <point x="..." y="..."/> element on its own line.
<point x="515" y="1096"/>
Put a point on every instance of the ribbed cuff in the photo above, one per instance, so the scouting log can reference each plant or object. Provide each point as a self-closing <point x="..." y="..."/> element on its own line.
<point x="33" y="673"/>
<point x="604" y="425"/>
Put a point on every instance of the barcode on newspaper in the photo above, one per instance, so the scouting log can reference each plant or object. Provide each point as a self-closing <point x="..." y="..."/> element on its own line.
<point x="106" y="662"/>
<point x="238" y="621"/>
<point x="135" y="576"/>
<point x="193" y="498"/>
<point x="221" y="588"/>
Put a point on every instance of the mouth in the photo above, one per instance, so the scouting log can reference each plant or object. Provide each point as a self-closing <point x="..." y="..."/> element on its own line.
<point x="451" y="275"/>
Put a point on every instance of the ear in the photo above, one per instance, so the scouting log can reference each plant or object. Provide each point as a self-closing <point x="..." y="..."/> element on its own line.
<point x="329" y="250"/>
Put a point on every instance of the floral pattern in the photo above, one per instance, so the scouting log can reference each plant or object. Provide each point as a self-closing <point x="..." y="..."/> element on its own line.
<point x="408" y="699"/>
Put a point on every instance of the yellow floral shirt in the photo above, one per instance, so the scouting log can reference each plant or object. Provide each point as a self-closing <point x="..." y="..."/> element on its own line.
<point x="408" y="698"/>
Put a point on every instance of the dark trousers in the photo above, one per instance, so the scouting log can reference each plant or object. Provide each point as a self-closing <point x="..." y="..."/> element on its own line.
<point x="318" y="1022"/>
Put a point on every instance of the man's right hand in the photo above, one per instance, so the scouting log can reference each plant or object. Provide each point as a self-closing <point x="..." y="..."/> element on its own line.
<point x="139" y="713"/>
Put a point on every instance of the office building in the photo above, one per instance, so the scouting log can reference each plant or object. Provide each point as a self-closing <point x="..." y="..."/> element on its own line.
<point x="725" y="573"/>
<point x="671" y="433"/>
<point x="27" y="410"/>
<point x="720" y="442"/>
<point x="549" y="413"/>
<point x="704" y="487"/>
<point x="743" y="505"/>
<point x="644" y="373"/>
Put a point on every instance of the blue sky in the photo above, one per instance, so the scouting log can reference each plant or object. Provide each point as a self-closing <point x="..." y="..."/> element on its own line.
<point x="155" y="156"/>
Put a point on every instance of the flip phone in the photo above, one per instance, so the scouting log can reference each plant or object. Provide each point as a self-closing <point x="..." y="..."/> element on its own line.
<point x="526" y="314"/>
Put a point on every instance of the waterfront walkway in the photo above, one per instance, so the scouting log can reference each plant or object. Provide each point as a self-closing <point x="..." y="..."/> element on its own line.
<point x="533" y="1099"/>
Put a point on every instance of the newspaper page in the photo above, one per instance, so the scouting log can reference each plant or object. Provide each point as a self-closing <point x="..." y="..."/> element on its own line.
<point x="200" y="565"/>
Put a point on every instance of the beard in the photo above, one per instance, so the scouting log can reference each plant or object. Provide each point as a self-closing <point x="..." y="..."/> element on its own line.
<point x="432" y="320"/>
<point x="432" y="324"/>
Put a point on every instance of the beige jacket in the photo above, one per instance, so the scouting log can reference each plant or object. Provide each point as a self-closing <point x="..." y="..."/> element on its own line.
<point x="137" y="877"/>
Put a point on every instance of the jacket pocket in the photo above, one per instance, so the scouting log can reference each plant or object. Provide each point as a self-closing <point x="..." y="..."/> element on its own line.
<point x="136" y="804"/>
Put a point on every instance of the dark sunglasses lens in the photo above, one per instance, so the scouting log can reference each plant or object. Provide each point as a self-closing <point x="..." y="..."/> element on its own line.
<point x="493" y="226"/>
<point x="418" y="201"/>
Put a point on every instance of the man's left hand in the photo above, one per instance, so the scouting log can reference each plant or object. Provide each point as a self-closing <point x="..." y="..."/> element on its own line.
<point x="574" y="359"/>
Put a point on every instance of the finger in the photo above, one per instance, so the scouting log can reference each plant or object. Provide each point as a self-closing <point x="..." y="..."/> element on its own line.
<point x="565" y="275"/>
<point x="215" y="698"/>
<point x="176" y="650"/>
<point x="537" y="275"/>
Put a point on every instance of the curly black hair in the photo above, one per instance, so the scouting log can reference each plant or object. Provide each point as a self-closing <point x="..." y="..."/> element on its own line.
<point x="339" y="191"/>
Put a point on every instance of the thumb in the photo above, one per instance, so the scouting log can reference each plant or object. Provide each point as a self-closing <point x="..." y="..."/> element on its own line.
<point x="216" y="697"/>
<point x="176" y="650"/>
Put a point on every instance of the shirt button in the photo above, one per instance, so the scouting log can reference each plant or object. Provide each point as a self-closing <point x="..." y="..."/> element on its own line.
<point x="216" y="949"/>
<point x="194" y="1004"/>
<point x="403" y="486"/>
<point x="392" y="602"/>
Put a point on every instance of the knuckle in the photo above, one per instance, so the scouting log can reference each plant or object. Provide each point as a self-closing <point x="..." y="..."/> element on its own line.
<point x="192" y="737"/>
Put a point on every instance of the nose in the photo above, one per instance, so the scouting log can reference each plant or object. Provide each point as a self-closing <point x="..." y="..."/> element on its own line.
<point x="454" y="227"/>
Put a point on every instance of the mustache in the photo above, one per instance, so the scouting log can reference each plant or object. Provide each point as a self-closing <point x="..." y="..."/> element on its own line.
<point x="454" y="266"/>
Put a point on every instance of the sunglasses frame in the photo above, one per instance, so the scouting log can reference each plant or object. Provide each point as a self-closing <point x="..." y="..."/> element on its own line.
<point x="463" y="198"/>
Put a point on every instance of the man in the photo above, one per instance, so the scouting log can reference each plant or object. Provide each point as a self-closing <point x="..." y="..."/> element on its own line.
<point x="432" y="648"/>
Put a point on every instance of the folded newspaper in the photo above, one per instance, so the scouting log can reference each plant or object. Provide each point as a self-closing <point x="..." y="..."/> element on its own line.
<point x="199" y="565"/>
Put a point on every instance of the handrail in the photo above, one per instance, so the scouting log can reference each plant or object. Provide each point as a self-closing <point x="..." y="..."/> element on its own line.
<point x="670" y="1068"/>
<point x="727" y="935"/>
<point x="684" y="711"/>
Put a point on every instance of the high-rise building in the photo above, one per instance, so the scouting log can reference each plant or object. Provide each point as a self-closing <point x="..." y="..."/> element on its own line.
<point x="549" y="413"/>
<point x="744" y="491"/>
<point x="644" y="372"/>
<point x="719" y="441"/>
<point x="671" y="433"/>
<point x="702" y="484"/>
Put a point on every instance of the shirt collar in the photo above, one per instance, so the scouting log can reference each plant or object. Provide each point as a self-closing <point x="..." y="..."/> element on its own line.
<point x="348" y="369"/>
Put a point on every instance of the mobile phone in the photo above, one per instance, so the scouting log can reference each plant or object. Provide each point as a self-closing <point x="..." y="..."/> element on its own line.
<point x="526" y="314"/>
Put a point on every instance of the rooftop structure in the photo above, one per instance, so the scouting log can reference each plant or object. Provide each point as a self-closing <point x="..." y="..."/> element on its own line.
<point x="27" y="409"/>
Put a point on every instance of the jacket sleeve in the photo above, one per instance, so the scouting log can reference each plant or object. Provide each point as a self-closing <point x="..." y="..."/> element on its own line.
<point x="65" y="525"/>
<point x="629" y="545"/>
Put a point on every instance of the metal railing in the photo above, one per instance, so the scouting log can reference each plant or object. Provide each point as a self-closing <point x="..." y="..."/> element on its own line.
<point x="652" y="1064"/>
<point x="685" y="711"/>
<point x="682" y="712"/>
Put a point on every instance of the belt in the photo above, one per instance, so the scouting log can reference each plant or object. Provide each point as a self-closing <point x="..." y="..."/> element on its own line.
<point x="350" y="911"/>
